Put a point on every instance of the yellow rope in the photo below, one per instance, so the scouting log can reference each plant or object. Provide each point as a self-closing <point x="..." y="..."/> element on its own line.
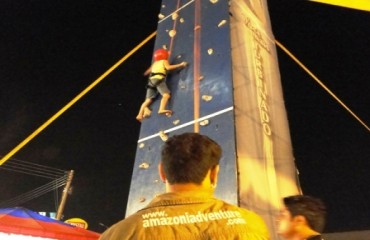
<point x="74" y="100"/>
<point x="321" y="84"/>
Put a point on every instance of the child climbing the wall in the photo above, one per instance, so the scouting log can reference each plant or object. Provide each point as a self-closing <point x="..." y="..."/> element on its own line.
<point x="157" y="84"/>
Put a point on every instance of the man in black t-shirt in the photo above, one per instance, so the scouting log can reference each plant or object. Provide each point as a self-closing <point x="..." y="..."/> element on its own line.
<point x="301" y="218"/>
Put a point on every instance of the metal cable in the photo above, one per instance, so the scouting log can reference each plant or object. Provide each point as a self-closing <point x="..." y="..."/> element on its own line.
<point x="55" y="184"/>
<point x="34" y="169"/>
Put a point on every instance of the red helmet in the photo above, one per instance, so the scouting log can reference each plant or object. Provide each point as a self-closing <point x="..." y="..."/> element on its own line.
<point x="160" y="54"/>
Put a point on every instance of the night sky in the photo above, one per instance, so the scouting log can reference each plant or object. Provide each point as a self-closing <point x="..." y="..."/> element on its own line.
<point x="52" y="50"/>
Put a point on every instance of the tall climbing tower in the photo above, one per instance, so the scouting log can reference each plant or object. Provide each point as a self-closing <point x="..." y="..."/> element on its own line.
<point x="230" y="91"/>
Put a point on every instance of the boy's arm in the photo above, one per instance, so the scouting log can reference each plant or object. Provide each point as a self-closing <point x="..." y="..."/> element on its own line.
<point x="170" y="67"/>
<point x="147" y="72"/>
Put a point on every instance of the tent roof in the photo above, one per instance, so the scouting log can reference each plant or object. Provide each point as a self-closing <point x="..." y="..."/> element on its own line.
<point x="26" y="222"/>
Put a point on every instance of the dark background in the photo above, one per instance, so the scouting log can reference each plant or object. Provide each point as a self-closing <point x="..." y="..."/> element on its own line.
<point x="51" y="50"/>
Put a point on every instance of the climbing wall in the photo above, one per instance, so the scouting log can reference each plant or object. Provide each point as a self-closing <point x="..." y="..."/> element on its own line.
<point x="197" y="32"/>
<point x="231" y="91"/>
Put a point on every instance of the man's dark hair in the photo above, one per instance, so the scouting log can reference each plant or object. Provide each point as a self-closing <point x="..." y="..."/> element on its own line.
<point x="186" y="158"/>
<point x="313" y="209"/>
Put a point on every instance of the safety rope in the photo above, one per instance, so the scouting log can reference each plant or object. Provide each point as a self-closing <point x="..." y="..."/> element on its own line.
<point x="321" y="84"/>
<point x="196" y="62"/>
<point x="175" y="18"/>
<point x="196" y="49"/>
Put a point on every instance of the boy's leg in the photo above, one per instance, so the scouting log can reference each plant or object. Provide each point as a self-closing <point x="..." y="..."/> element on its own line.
<point x="163" y="105"/>
<point x="144" y="112"/>
<point x="165" y="92"/>
<point x="144" y="109"/>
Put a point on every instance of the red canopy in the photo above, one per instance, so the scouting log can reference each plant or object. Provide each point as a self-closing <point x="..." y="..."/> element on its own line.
<point x="25" y="222"/>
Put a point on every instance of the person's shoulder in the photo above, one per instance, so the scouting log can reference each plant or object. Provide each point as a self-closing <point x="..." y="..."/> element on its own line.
<point x="233" y="207"/>
<point x="249" y="224"/>
<point x="317" y="237"/>
<point x="132" y="219"/>
<point x="124" y="227"/>
<point x="245" y="212"/>
<point x="161" y="61"/>
<point x="248" y="215"/>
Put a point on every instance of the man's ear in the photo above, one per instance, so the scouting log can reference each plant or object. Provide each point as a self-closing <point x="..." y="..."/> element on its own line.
<point x="162" y="175"/>
<point x="299" y="220"/>
<point x="214" y="175"/>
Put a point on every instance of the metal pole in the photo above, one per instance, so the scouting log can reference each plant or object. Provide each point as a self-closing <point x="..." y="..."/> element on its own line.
<point x="64" y="196"/>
